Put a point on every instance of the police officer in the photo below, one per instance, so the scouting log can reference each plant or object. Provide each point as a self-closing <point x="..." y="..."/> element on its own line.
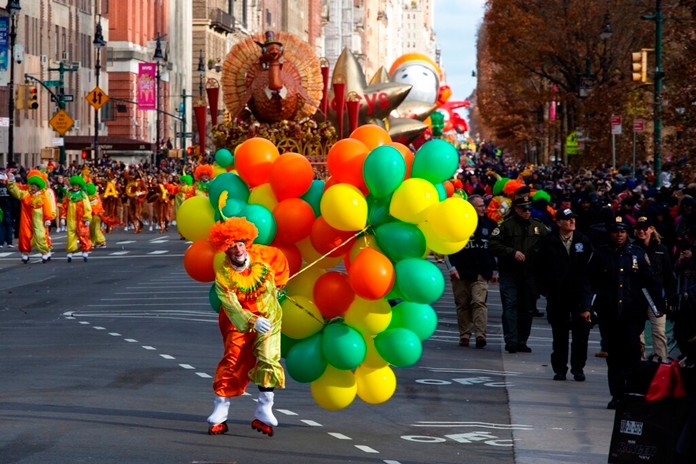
<point x="514" y="243"/>
<point x="561" y="270"/>
<point x="618" y="273"/>
<point x="470" y="270"/>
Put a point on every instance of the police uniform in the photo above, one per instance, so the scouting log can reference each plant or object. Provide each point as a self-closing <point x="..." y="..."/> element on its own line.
<point x="617" y="275"/>
<point x="517" y="289"/>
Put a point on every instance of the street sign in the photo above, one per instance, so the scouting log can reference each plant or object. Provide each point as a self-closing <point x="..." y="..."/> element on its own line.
<point x="616" y="125"/>
<point x="97" y="98"/>
<point x="638" y="125"/>
<point x="61" y="122"/>
<point x="68" y="98"/>
<point x="52" y="83"/>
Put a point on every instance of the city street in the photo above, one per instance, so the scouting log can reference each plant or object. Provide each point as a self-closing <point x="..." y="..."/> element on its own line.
<point x="111" y="361"/>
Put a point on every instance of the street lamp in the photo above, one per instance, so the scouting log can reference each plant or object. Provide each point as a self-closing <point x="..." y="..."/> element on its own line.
<point x="98" y="43"/>
<point x="201" y="74"/>
<point x="158" y="58"/>
<point x="13" y="7"/>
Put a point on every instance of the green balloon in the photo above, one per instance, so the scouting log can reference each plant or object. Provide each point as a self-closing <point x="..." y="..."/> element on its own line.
<point x="263" y="220"/>
<point x="233" y="207"/>
<point x="383" y="170"/>
<point x="399" y="347"/>
<point x="378" y="210"/>
<point x="419" y="318"/>
<point x="230" y="182"/>
<point x="419" y="280"/>
<point x="285" y="344"/>
<point x="539" y="194"/>
<point x="224" y="158"/>
<point x="441" y="191"/>
<point x="313" y="196"/>
<point x="400" y="240"/>
<point x="305" y="362"/>
<point x="343" y="346"/>
<point x="215" y="302"/>
<point x="436" y="161"/>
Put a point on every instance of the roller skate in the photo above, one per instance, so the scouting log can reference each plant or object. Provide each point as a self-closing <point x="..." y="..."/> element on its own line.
<point x="218" y="418"/>
<point x="265" y="420"/>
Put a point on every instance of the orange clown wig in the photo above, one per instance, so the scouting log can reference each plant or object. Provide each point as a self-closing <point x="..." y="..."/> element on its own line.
<point x="225" y="234"/>
<point x="203" y="169"/>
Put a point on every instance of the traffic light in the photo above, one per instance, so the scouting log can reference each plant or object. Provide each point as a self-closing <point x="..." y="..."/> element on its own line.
<point x="32" y="97"/>
<point x="640" y="66"/>
<point x="189" y="151"/>
<point x="21" y="97"/>
<point x="84" y="154"/>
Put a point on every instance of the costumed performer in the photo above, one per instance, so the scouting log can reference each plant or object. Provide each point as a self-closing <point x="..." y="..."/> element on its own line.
<point x="184" y="191"/>
<point x="78" y="216"/>
<point x="202" y="174"/>
<point x="95" y="230"/>
<point x="247" y="285"/>
<point x="36" y="214"/>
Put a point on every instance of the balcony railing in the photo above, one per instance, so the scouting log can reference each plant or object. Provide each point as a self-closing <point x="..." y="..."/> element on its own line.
<point x="221" y="21"/>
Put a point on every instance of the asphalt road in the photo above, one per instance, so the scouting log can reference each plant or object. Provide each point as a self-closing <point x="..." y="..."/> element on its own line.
<point x="111" y="361"/>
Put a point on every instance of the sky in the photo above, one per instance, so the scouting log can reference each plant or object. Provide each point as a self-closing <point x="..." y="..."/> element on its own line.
<point x="456" y="25"/>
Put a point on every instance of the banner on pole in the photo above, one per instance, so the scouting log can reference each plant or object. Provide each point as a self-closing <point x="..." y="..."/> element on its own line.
<point x="616" y="125"/>
<point x="5" y="52"/>
<point x="147" y="86"/>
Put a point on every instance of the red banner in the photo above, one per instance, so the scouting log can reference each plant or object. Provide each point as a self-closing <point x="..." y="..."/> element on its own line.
<point x="199" y="111"/>
<point x="213" y="93"/>
<point x="147" y="86"/>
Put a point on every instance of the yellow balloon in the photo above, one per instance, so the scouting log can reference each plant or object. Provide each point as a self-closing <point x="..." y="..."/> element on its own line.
<point x="311" y="255"/>
<point x="344" y="207"/>
<point x="412" y="199"/>
<point x="303" y="282"/>
<point x="453" y="219"/>
<point x="194" y="218"/>
<point x="217" y="169"/>
<point x="369" y="317"/>
<point x="301" y="317"/>
<point x="335" y="389"/>
<point x="375" y="385"/>
<point x="218" y="260"/>
<point x="435" y="243"/>
<point x="372" y="357"/>
<point x="263" y="195"/>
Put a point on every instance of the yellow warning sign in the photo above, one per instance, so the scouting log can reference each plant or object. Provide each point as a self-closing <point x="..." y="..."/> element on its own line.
<point x="61" y="122"/>
<point x="97" y="98"/>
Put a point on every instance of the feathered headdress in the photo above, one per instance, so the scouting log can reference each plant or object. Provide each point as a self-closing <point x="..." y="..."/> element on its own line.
<point x="225" y="234"/>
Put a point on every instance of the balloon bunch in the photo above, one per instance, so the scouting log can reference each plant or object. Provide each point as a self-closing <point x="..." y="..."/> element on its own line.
<point x="382" y="211"/>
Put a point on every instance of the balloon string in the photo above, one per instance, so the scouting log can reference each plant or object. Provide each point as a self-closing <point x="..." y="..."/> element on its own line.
<point x="309" y="313"/>
<point x="329" y="252"/>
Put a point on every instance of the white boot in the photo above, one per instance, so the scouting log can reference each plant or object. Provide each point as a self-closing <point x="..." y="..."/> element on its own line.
<point x="221" y="408"/>
<point x="264" y="409"/>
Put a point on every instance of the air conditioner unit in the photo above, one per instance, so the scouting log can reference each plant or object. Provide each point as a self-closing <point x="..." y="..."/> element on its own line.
<point x="44" y="60"/>
<point x="77" y="124"/>
<point x="102" y="127"/>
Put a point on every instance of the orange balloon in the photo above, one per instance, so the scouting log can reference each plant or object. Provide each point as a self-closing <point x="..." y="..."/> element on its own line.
<point x="332" y="294"/>
<point x="345" y="161"/>
<point x="358" y="245"/>
<point x="291" y="176"/>
<point x="292" y="254"/>
<point x="407" y="154"/>
<point x="294" y="218"/>
<point x="254" y="160"/>
<point x="371" y="274"/>
<point x="199" y="261"/>
<point x="449" y="188"/>
<point x="371" y="135"/>
<point x="325" y="238"/>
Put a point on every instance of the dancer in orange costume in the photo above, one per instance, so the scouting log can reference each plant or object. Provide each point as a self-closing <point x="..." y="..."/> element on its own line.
<point x="202" y="174"/>
<point x="250" y="320"/>
<point x="95" y="233"/>
<point x="78" y="216"/>
<point x="110" y="199"/>
<point x="36" y="215"/>
<point x="136" y="192"/>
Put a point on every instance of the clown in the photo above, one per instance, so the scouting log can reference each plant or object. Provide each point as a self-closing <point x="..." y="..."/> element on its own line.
<point x="250" y="321"/>
<point x="77" y="212"/>
<point x="202" y="174"/>
<point x="36" y="215"/>
<point x="95" y="232"/>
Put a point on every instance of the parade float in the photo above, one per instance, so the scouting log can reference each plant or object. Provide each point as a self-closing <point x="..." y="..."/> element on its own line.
<point x="318" y="164"/>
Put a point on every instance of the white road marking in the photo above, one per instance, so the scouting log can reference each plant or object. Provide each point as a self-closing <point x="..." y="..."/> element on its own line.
<point x="131" y="340"/>
<point x="158" y="252"/>
<point x="186" y="366"/>
<point x="483" y="425"/>
<point x="287" y="412"/>
<point x="340" y="436"/>
<point x="84" y="322"/>
<point x="167" y="356"/>
<point x="203" y="375"/>
<point x="311" y="423"/>
<point x="148" y="347"/>
<point x="366" y="449"/>
<point x="114" y="334"/>
<point x="96" y="327"/>
<point x="119" y="253"/>
<point x="125" y="242"/>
